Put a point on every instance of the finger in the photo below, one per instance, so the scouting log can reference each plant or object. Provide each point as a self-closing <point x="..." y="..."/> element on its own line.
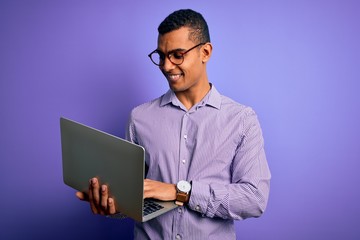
<point x="104" y="198"/>
<point x="147" y="188"/>
<point x="111" y="206"/>
<point x="96" y="191"/>
<point x="82" y="196"/>
<point x="91" y="199"/>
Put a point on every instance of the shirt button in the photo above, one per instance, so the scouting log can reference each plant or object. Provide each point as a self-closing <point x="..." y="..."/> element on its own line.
<point x="183" y="161"/>
<point x="179" y="210"/>
<point x="197" y="208"/>
<point x="178" y="236"/>
<point x="185" y="136"/>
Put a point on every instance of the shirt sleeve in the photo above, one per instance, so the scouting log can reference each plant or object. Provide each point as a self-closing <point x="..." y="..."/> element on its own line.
<point x="247" y="193"/>
<point x="130" y="130"/>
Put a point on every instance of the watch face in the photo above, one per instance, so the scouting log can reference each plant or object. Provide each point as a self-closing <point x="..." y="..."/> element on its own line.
<point x="183" y="186"/>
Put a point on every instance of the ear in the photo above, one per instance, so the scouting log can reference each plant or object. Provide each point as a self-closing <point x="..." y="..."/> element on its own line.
<point x="206" y="52"/>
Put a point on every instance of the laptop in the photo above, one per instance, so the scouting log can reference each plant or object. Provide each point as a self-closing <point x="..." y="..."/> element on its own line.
<point x="88" y="153"/>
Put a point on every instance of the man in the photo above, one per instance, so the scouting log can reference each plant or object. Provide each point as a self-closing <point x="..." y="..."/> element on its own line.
<point x="193" y="133"/>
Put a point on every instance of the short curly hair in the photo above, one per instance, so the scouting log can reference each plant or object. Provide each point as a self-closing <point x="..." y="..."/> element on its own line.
<point x="199" y="30"/>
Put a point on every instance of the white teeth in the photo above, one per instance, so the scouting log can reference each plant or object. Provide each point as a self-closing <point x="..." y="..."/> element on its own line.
<point x="174" y="76"/>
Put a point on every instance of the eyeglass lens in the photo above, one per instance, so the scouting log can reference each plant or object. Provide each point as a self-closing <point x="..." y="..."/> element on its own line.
<point x="158" y="58"/>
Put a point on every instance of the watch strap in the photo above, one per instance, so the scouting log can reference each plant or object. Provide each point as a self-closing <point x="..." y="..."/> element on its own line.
<point x="181" y="198"/>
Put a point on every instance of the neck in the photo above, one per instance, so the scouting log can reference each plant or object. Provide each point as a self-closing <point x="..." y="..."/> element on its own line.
<point x="192" y="96"/>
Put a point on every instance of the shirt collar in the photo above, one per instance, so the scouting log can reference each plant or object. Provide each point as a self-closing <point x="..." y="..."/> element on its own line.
<point x="168" y="97"/>
<point x="212" y="98"/>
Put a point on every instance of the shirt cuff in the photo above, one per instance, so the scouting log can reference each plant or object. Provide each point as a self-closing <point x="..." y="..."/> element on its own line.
<point x="200" y="195"/>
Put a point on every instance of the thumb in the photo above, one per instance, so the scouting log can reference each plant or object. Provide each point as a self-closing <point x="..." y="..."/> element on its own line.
<point x="82" y="196"/>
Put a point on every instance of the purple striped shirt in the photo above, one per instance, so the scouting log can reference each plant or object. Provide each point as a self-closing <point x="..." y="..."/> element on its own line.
<point x="218" y="146"/>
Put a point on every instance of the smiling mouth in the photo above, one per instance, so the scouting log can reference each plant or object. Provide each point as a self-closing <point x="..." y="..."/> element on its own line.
<point x="173" y="77"/>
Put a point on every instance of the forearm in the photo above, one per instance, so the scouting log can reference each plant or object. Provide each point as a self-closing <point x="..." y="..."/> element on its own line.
<point x="231" y="201"/>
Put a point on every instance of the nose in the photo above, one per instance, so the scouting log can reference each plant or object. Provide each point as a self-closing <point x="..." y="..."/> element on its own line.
<point x="168" y="65"/>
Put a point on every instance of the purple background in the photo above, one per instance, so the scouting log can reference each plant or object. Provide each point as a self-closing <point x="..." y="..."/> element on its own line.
<point x="295" y="62"/>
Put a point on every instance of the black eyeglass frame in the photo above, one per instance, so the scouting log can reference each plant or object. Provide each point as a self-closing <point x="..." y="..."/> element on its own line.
<point x="169" y="55"/>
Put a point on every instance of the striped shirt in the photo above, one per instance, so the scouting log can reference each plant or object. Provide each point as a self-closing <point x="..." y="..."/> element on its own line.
<point x="218" y="146"/>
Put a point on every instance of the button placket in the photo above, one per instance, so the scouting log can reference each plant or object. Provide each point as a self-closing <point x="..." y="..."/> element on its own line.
<point x="182" y="170"/>
<point x="183" y="150"/>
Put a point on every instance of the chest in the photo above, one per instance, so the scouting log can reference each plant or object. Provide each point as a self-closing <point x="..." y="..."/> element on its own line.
<point x="184" y="146"/>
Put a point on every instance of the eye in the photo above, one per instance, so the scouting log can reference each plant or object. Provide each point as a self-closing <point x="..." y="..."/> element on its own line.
<point x="177" y="55"/>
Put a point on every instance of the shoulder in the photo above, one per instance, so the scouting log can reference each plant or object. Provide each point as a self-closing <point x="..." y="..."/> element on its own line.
<point x="230" y="106"/>
<point x="146" y="108"/>
<point x="244" y="117"/>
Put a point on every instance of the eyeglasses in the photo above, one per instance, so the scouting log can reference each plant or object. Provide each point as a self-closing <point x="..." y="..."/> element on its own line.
<point x="176" y="57"/>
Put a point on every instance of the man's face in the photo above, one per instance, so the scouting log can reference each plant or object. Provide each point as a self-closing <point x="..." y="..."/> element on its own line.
<point x="192" y="72"/>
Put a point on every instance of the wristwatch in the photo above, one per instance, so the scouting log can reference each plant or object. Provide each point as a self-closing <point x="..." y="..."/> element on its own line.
<point x="182" y="192"/>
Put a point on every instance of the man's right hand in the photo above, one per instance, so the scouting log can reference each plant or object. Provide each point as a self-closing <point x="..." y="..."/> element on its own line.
<point x="99" y="199"/>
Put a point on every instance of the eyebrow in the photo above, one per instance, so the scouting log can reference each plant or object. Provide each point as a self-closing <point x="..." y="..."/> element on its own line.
<point x="172" y="51"/>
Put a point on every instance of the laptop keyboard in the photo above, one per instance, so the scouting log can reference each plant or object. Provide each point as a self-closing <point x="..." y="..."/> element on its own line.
<point x="150" y="207"/>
